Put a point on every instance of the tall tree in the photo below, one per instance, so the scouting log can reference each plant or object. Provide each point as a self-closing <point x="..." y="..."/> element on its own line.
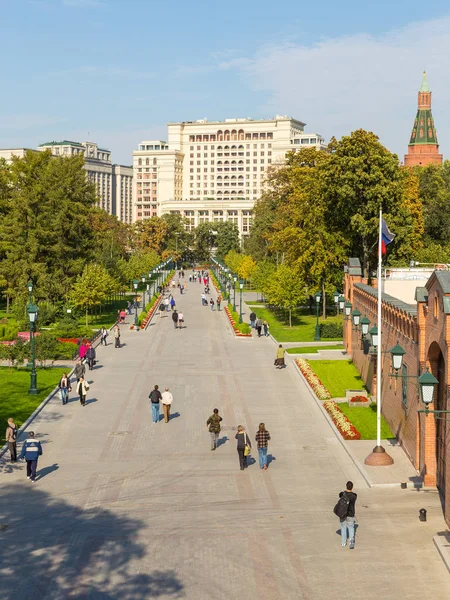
<point x="149" y="235"/>
<point x="227" y="238"/>
<point x="434" y="191"/>
<point x="286" y="290"/>
<point x="92" y="288"/>
<point x="204" y="241"/>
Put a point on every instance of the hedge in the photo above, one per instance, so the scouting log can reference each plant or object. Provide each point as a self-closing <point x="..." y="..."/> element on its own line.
<point x="331" y="330"/>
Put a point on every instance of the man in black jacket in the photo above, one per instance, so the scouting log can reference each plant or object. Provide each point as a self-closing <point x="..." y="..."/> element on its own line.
<point x="252" y="320"/>
<point x="175" y="318"/>
<point x="90" y="357"/>
<point x="348" y="523"/>
<point x="155" y="398"/>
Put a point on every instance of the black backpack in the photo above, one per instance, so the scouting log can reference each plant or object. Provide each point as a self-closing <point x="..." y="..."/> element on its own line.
<point x="342" y="505"/>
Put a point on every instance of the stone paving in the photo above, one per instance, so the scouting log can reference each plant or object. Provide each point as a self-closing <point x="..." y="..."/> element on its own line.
<point x="125" y="509"/>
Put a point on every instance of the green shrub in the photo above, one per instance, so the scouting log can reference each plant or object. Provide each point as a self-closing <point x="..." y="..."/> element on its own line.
<point x="65" y="350"/>
<point x="47" y="313"/>
<point x="68" y="327"/>
<point x="331" y="330"/>
<point x="8" y="332"/>
<point x="242" y="327"/>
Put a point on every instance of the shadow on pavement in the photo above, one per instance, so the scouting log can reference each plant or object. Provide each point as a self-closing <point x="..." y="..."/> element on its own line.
<point x="223" y="440"/>
<point x="91" y="401"/>
<point x="174" y="415"/>
<point x="270" y="458"/>
<point x="46" y="471"/>
<point x="50" y="548"/>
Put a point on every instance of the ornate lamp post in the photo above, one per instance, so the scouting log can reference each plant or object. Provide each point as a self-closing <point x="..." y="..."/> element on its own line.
<point x="33" y="311"/>
<point x="143" y="279"/>
<point x="317" y="298"/>
<point x="336" y="301"/>
<point x="234" y="292"/>
<point x="347" y="309"/>
<point x="241" y="285"/>
<point x="341" y="303"/>
<point x="136" y="321"/>
<point x="30" y="291"/>
<point x="365" y="324"/>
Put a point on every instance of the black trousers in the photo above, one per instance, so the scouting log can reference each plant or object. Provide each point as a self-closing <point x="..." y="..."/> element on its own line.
<point x="117" y="342"/>
<point x="242" y="458"/>
<point x="31" y="469"/>
<point x="82" y="399"/>
<point x="12" y="446"/>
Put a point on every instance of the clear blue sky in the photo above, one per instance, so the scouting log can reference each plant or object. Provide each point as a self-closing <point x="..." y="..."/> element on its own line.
<point x="116" y="71"/>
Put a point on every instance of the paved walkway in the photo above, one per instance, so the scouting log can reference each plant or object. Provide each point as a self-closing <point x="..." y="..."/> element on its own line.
<point x="127" y="510"/>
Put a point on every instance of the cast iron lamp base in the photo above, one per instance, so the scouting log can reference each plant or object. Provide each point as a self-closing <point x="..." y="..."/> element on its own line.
<point x="379" y="458"/>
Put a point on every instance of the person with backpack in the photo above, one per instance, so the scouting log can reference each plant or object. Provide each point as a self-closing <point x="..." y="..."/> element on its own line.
<point x="252" y="320"/>
<point x="214" y="427"/>
<point x="345" y="511"/>
<point x="11" y="437"/>
<point x="175" y="318"/>
<point x="31" y="451"/>
<point x="155" y="398"/>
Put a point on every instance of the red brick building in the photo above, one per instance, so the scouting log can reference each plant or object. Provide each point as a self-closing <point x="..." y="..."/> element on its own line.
<point x="423" y="147"/>
<point x="423" y="330"/>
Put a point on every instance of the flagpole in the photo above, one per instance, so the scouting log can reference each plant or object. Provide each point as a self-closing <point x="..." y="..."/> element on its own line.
<point x="379" y="456"/>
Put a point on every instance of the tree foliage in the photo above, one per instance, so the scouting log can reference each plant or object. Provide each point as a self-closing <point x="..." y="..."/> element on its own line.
<point x="92" y="288"/>
<point x="227" y="238"/>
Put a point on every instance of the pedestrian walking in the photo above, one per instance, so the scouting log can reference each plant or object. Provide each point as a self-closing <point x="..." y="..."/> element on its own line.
<point x="116" y="336"/>
<point x="258" y="326"/>
<point x="172" y="303"/>
<point x="211" y="304"/>
<point x="79" y="370"/>
<point x="103" y="336"/>
<point x="11" y="437"/>
<point x="31" y="451"/>
<point x="252" y="320"/>
<point x="166" y="400"/>
<point x="162" y="309"/>
<point x="266" y="328"/>
<point x="345" y="511"/>
<point x="166" y="303"/>
<point x="83" y="349"/>
<point x="214" y="427"/>
<point x="129" y="307"/>
<point x="82" y="390"/>
<point x="180" y="320"/>
<point x="204" y="301"/>
<point x="279" y="360"/>
<point x="244" y="447"/>
<point x="175" y="318"/>
<point x="123" y="314"/>
<point x="262" y="440"/>
<point x="155" y="398"/>
<point x="90" y="357"/>
<point x="219" y="301"/>
<point x="65" y="387"/>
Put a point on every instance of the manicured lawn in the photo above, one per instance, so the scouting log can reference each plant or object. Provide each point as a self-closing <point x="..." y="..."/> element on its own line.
<point x="303" y="324"/>
<point x="337" y="376"/>
<point x="312" y="349"/>
<point x="14" y="399"/>
<point x="365" y="421"/>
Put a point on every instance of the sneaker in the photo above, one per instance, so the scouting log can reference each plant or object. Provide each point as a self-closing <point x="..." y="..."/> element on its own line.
<point x="28" y="477"/>
<point x="352" y="544"/>
<point x="343" y="544"/>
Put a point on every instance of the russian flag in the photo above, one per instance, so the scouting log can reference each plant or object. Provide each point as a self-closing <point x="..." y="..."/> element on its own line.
<point x="386" y="236"/>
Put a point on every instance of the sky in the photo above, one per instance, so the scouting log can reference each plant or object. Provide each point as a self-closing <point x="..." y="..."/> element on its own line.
<point x="116" y="72"/>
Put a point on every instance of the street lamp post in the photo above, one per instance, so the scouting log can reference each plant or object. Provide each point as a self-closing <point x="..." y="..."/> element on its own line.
<point x="177" y="233"/>
<point x="143" y="279"/>
<point x="33" y="310"/>
<point x="317" y="333"/>
<point x="136" y="321"/>
<point x="241" y="285"/>
<point x="234" y="292"/>
<point x="336" y="301"/>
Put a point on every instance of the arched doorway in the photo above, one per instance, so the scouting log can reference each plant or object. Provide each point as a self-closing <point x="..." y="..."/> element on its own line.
<point x="438" y="367"/>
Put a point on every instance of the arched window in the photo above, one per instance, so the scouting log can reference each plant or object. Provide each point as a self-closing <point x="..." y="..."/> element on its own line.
<point x="226" y="147"/>
<point x="241" y="134"/>
<point x="220" y="136"/>
<point x="234" y="147"/>
<point x="226" y="162"/>
<point x="219" y="147"/>
<point x="233" y="177"/>
<point x="219" y="177"/>
<point x="226" y="135"/>
<point x="241" y="147"/>
<point x="226" y="177"/>
<point x="233" y="134"/>
<point x="206" y="138"/>
<point x="147" y="161"/>
<point x="233" y="162"/>
<point x="219" y="162"/>
<point x="241" y="177"/>
<point x="241" y="162"/>
<point x="233" y="192"/>
<point x="219" y="192"/>
<point x="435" y="307"/>
<point x="140" y="162"/>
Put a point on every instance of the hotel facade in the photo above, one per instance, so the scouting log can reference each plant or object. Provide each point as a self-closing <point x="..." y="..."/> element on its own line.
<point x="213" y="171"/>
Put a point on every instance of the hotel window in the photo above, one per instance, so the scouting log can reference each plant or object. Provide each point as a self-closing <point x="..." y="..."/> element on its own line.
<point x="269" y="160"/>
<point x="198" y="148"/>
<point x="255" y="161"/>
<point x="262" y="160"/>
<point x="191" y="170"/>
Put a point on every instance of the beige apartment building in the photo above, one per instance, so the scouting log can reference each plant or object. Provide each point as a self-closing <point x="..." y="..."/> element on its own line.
<point x="211" y="171"/>
<point x="122" y="191"/>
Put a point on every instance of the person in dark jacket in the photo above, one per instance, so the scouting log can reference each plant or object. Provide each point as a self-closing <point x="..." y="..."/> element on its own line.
<point x="252" y="320"/>
<point x="175" y="318"/>
<point x="242" y="441"/>
<point x="65" y="388"/>
<point x="258" y="326"/>
<point x="155" y="398"/>
<point x="79" y="370"/>
<point x="348" y="524"/>
<point x="90" y="357"/>
<point x="31" y="451"/>
<point x="214" y="427"/>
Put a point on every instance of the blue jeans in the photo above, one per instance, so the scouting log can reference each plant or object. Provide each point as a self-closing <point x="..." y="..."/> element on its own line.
<point x="64" y="395"/>
<point x="155" y="412"/>
<point x="252" y="324"/>
<point x="262" y="452"/>
<point x="348" y="525"/>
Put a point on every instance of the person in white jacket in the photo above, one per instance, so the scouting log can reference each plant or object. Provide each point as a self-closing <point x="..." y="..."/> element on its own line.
<point x="82" y="389"/>
<point x="166" y="400"/>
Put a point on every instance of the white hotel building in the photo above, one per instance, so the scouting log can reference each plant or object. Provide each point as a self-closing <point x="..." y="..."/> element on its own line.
<point x="213" y="171"/>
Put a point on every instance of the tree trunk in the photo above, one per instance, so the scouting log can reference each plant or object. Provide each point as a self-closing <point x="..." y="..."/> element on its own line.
<point x="290" y="317"/>
<point x="324" y="301"/>
<point x="86" y="318"/>
<point x="7" y="303"/>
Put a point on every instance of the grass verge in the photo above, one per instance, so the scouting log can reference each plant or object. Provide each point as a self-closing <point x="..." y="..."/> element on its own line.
<point x="14" y="399"/>
<point x="337" y="376"/>
<point x="365" y="421"/>
<point x="313" y="349"/>
<point x="303" y="324"/>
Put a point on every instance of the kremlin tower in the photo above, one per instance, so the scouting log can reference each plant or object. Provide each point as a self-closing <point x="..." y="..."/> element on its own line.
<point x="423" y="147"/>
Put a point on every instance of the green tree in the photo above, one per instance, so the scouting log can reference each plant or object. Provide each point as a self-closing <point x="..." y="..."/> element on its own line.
<point x="285" y="289"/>
<point x="227" y="238"/>
<point x="434" y="191"/>
<point x="246" y="268"/>
<point x="233" y="260"/>
<point x="92" y="288"/>
<point x="203" y="241"/>
<point x="149" y="235"/>
<point x="263" y="275"/>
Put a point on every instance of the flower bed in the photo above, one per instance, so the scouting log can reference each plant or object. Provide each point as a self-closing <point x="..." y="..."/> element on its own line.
<point x="240" y="329"/>
<point x="68" y="340"/>
<point x="143" y="322"/>
<point x="345" y="427"/>
<point x="317" y="386"/>
<point x="356" y="401"/>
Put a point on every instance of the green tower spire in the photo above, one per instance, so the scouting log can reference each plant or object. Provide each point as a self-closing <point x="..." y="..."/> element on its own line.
<point x="425" y="87"/>
<point x="424" y="131"/>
